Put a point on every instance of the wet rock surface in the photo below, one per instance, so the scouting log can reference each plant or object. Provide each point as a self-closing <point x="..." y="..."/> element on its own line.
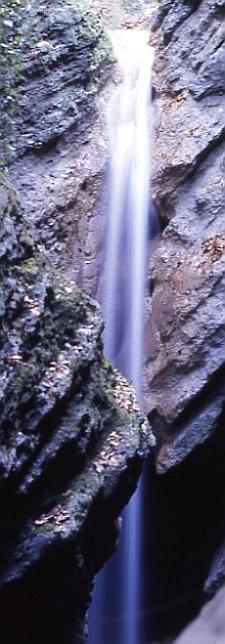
<point x="59" y="154"/>
<point x="60" y="194"/>
<point x="72" y="443"/>
<point x="64" y="59"/>
<point x="72" y="437"/>
<point x="56" y="145"/>
<point x="186" y="367"/>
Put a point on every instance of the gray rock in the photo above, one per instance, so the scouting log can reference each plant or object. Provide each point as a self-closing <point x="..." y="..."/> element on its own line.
<point x="72" y="442"/>
<point x="56" y="147"/>
<point x="72" y="437"/>
<point x="62" y="56"/>
<point x="216" y="574"/>
<point x="209" y="626"/>
<point x="185" y="371"/>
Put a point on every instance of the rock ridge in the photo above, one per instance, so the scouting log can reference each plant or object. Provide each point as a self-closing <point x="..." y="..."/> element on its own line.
<point x="72" y="442"/>
<point x="187" y="325"/>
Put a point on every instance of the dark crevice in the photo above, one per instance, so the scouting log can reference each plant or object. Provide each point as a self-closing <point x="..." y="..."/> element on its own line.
<point x="184" y="524"/>
<point x="163" y="221"/>
<point x="48" y="594"/>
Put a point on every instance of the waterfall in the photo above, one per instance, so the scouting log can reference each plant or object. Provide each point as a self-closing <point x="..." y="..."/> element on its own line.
<point x="124" y="290"/>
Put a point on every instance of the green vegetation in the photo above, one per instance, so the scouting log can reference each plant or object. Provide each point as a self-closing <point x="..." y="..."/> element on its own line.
<point x="35" y="40"/>
<point x="10" y="64"/>
<point x="10" y="42"/>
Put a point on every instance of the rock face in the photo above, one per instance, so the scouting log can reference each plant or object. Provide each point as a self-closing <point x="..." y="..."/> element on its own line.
<point x="72" y="437"/>
<point x="209" y="627"/>
<point x="186" y="367"/>
<point x="64" y="55"/>
<point x="56" y="145"/>
<point x="72" y="443"/>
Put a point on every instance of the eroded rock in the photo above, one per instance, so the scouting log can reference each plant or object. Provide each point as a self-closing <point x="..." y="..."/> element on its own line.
<point x="209" y="626"/>
<point x="64" y="58"/>
<point x="72" y="443"/>
<point x="56" y="146"/>
<point x="186" y="365"/>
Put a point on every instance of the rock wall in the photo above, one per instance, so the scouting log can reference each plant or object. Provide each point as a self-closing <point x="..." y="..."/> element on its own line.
<point x="55" y="145"/>
<point x="72" y="437"/>
<point x="185" y="367"/>
<point x="185" y="373"/>
<point x="72" y="443"/>
<point x="63" y="58"/>
<point x="209" y="627"/>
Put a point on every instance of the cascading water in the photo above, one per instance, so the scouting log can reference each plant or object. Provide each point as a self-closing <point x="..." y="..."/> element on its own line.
<point x="125" y="272"/>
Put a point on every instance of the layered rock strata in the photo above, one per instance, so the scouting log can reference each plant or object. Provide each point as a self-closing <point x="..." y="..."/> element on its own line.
<point x="72" y="443"/>
<point x="53" y="119"/>
<point x="72" y="437"/>
<point x="185" y="335"/>
<point x="185" y="371"/>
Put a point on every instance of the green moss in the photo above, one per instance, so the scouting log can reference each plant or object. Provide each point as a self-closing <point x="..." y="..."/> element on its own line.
<point x="42" y="529"/>
<point x="11" y="65"/>
<point x="41" y="37"/>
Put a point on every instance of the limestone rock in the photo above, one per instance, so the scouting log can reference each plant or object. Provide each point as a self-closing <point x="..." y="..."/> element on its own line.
<point x="72" y="443"/>
<point x="61" y="58"/>
<point x="209" y="626"/>
<point x="56" y="145"/>
<point x="185" y="371"/>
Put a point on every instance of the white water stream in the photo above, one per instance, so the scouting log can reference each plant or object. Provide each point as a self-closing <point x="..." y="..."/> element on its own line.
<point x="125" y="271"/>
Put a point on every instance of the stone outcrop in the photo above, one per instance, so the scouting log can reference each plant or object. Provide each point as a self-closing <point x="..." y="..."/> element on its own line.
<point x="57" y="146"/>
<point x="61" y="59"/>
<point x="186" y="367"/>
<point x="72" y="437"/>
<point x="185" y="392"/>
<point x="53" y="121"/>
<point x="72" y="443"/>
<point x="209" y="627"/>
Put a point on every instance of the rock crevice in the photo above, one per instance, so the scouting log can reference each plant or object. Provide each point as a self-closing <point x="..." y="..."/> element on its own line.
<point x="185" y="370"/>
<point x="188" y="268"/>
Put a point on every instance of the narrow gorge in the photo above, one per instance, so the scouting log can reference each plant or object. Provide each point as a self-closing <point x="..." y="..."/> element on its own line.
<point x="74" y="438"/>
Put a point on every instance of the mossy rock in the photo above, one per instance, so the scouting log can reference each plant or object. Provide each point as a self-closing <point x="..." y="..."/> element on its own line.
<point x="61" y="52"/>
